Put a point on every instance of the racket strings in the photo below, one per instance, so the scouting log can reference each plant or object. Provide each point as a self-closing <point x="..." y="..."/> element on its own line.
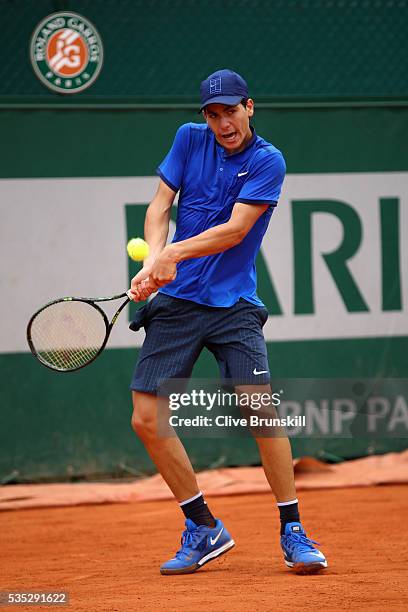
<point x="67" y="335"/>
<point x="68" y="358"/>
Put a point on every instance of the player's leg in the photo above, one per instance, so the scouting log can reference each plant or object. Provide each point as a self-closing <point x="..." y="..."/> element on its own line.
<point x="172" y="345"/>
<point x="299" y="551"/>
<point x="276" y="456"/>
<point x="238" y="344"/>
<point x="167" y="453"/>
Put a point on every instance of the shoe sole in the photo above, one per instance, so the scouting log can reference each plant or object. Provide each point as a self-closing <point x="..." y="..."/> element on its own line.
<point x="307" y="568"/>
<point x="196" y="566"/>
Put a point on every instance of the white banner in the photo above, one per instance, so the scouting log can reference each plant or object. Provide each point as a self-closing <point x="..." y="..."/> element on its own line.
<point x="68" y="237"/>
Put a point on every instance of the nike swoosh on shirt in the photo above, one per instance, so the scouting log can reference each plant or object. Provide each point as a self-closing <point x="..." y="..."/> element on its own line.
<point x="213" y="541"/>
<point x="242" y="173"/>
<point x="260" y="372"/>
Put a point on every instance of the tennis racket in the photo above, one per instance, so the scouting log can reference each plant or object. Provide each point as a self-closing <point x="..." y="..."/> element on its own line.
<point x="68" y="334"/>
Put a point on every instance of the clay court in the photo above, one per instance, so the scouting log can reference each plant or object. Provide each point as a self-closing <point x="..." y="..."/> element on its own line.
<point x="108" y="556"/>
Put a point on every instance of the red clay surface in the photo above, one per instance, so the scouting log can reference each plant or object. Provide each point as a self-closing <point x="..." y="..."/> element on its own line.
<point x="108" y="556"/>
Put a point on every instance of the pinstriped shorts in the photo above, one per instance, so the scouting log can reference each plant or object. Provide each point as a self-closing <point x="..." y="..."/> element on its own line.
<point x="178" y="330"/>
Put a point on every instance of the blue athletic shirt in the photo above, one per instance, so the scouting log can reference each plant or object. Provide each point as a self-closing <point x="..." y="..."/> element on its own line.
<point x="210" y="183"/>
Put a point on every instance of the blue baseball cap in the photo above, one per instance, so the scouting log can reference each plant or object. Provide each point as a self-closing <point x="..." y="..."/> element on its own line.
<point x="223" y="87"/>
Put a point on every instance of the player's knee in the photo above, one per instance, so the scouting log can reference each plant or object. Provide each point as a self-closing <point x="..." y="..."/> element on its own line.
<point x="144" y="427"/>
<point x="144" y="416"/>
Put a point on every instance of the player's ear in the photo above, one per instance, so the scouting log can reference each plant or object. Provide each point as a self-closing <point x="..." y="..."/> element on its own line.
<point x="250" y="107"/>
<point x="204" y="114"/>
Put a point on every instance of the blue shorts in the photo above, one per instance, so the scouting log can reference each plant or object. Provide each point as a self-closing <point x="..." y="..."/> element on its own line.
<point x="177" y="331"/>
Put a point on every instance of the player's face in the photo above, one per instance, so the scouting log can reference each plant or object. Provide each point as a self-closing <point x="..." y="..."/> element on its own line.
<point x="230" y="124"/>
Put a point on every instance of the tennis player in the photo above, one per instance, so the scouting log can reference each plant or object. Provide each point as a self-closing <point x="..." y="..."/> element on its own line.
<point x="229" y="180"/>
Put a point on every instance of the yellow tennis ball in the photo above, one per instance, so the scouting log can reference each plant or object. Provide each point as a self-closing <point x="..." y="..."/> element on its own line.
<point x="137" y="249"/>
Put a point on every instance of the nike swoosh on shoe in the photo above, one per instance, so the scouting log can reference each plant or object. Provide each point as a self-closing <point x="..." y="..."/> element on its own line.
<point x="214" y="541"/>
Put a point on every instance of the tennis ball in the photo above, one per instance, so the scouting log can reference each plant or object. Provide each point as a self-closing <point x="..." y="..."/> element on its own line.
<point x="137" y="249"/>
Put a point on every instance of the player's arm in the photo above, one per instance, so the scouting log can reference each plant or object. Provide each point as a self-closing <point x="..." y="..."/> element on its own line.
<point x="214" y="240"/>
<point x="156" y="229"/>
<point x="219" y="238"/>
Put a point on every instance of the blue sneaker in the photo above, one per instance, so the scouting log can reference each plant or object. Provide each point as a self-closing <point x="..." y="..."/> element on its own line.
<point x="299" y="552"/>
<point x="199" y="544"/>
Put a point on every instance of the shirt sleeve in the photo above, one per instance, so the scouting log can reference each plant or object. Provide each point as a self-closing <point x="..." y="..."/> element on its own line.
<point x="171" y="169"/>
<point x="264" y="183"/>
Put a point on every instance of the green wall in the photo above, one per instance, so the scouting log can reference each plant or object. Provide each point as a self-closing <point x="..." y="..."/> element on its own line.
<point x="133" y="142"/>
<point x="330" y="87"/>
<point x="66" y="426"/>
<point x="160" y="50"/>
<point x="56" y="426"/>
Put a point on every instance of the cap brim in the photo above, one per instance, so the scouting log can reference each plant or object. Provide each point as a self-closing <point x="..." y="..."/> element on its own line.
<point x="228" y="100"/>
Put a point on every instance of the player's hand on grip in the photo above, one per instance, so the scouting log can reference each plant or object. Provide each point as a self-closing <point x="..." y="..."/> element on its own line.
<point x="142" y="286"/>
<point x="145" y="288"/>
<point x="152" y="276"/>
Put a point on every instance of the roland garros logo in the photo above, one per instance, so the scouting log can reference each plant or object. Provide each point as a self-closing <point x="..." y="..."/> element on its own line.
<point x="66" y="52"/>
